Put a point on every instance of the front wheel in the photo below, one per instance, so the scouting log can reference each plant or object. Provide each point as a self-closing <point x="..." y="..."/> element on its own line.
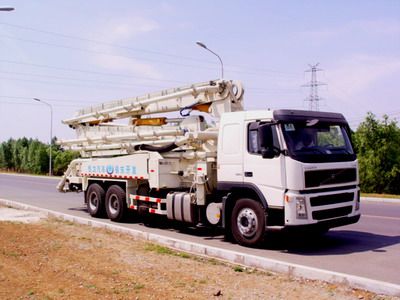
<point x="116" y="203"/>
<point x="248" y="222"/>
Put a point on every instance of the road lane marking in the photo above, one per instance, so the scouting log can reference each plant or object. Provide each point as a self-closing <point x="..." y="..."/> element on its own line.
<point x="381" y="217"/>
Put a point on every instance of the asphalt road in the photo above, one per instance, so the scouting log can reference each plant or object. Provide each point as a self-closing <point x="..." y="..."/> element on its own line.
<point x="370" y="248"/>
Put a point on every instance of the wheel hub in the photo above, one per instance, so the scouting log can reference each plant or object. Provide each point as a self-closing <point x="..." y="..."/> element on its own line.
<point x="247" y="222"/>
<point x="93" y="201"/>
<point x="114" y="204"/>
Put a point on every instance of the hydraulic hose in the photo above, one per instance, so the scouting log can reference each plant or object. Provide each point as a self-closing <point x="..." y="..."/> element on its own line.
<point x="160" y="149"/>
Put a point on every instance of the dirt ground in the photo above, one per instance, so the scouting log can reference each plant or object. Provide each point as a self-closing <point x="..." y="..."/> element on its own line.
<point x="53" y="259"/>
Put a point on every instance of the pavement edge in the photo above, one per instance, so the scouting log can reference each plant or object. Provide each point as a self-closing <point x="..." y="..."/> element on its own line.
<point x="292" y="270"/>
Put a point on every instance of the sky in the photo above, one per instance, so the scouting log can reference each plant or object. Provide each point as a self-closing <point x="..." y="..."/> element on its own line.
<point x="74" y="54"/>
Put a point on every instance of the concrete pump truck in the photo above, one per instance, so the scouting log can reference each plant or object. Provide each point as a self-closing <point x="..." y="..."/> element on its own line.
<point x="216" y="164"/>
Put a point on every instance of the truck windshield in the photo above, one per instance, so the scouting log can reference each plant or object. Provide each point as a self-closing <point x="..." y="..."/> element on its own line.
<point x="314" y="141"/>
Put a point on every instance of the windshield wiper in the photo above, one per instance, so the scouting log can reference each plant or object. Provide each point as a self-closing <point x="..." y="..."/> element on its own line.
<point x="344" y="150"/>
<point x="340" y="149"/>
<point x="313" y="148"/>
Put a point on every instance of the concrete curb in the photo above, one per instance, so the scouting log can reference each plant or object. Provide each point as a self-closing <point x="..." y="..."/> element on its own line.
<point x="292" y="270"/>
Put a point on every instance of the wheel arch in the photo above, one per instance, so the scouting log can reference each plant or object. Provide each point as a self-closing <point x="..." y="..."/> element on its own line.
<point x="237" y="190"/>
<point x="105" y="183"/>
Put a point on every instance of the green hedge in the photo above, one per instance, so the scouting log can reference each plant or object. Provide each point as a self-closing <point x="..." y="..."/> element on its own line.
<point x="377" y="144"/>
<point x="32" y="156"/>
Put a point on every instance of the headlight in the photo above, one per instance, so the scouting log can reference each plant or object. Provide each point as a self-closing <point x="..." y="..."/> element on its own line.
<point x="301" y="209"/>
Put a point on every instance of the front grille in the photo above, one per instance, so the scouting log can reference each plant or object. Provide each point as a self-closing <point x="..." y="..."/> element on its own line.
<point x="331" y="199"/>
<point x="331" y="213"/>
<point x="324" y="177"/>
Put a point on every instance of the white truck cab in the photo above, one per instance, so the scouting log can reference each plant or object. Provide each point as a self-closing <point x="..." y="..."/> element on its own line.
<point x="299" y="165"/>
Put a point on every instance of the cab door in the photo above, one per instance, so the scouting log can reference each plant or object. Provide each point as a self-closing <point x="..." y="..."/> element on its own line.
<point x="267" y="174"/>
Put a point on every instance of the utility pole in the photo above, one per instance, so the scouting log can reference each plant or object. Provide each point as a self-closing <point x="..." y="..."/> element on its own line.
<point x="202" y="45"/>
<point x="51" y="131"/>
<point x="313" y="98"/>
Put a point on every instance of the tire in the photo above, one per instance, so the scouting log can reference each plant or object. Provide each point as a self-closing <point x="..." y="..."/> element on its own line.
<point x="95" y="200"/>
<point x="116" y="203"/>
<point x="248" y="222"/>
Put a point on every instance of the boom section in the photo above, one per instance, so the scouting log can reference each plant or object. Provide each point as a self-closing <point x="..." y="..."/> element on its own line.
<point x="213" y="97"/>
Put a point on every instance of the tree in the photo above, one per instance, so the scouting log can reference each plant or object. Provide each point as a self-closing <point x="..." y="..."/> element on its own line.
<point x="62" y="160"/>
<point x="6" y="155"/>
<point x="33" y="166"/>
<point x="42" y="159"/>
<point x="32" y="156"/>
<point x="378" y="147"/>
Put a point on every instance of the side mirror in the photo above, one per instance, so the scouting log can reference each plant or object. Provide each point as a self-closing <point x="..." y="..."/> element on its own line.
<point x="265" y="136"/>
<point x="268" y="153"/>
<point x="266" y="141"/>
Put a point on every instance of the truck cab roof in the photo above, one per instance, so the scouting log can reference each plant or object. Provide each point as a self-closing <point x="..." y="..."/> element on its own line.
<point x="301" y="115"/>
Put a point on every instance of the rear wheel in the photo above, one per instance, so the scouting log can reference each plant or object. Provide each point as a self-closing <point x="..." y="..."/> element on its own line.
<point x="95" y="200"/>
<point x="116" y="203"/>
<point x="248" y="222"/>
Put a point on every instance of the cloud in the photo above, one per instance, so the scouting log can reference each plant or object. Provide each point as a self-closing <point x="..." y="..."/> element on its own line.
<point x="125" y="32"/>
<point x="131" y="65"/>
<point x="358" y="74"/>
<point x="387" y="27"/>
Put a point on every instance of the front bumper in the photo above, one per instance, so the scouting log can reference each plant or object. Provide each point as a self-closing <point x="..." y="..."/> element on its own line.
<point x="322" y="207"/>
<point x="325" y="224"/>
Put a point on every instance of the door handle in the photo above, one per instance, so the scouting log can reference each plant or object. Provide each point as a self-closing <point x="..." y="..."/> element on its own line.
<point x="248" y="174"/>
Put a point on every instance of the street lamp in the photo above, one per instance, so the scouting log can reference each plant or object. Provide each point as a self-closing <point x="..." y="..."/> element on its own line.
<point x="222" y="65"/>
<point x="51" y="129"/>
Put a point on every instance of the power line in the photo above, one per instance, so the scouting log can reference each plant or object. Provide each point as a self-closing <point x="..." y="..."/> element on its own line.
<point x="112" y="74"/>
<point x="128" y="57"/>
<point x="105" y="43"/>
<point x="79" y="79"/>
<point x="102" y="53"/>
<point x="271" y="91"/>
<point x="49" y="99"/>
<point x="344" y="98"/>
<point x="34" y="104"/>
<point x="138" y="50"/>
<point x="64" y="84"/>
<point x="87" y="71"/>
<point x="120" y="86"/>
